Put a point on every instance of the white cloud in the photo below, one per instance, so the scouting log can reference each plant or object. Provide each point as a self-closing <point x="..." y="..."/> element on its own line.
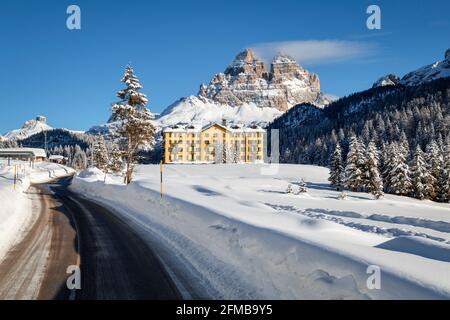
<point x="315" y="52"/>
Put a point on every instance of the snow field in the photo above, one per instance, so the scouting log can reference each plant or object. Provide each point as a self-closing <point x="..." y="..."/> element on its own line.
<point x="244" y="237"/>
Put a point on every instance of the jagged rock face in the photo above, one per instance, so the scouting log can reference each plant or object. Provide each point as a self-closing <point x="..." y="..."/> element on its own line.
<point x="247" y="80"/>
<point x="447" y="55"/>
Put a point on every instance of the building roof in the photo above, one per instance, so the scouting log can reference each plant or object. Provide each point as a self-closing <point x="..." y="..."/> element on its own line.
<point x="198" y="128"/>
<point x="35" y="152"/>
<point x="56" y="157"/>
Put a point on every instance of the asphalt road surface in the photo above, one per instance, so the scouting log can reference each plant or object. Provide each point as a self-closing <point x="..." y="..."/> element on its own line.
<point x="114" y="262"/>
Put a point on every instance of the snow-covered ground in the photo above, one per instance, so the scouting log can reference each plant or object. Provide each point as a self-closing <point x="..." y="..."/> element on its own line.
<point x="16" y="212"/>
<point x="247" y="238"/>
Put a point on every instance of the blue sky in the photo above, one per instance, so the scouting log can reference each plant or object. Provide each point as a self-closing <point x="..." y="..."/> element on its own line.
<point x="72" y="76"/>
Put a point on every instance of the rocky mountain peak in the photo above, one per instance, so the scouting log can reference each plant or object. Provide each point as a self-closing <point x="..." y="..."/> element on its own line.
<point x="246" y="80"/>
<point x="447" y="55"/>
<point x="285" y="68"/>
<point x="246" y="62"/>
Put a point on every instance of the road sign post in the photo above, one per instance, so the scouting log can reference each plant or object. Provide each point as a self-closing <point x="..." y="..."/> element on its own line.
<point x="161" y="177"/>
<point x="15" y="176"/>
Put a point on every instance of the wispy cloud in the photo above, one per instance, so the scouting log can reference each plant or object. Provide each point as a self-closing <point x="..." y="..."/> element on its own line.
<point x="316" y="52"/>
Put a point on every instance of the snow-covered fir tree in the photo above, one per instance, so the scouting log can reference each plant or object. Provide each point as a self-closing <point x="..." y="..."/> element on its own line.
<point x="100" y="154"/>
<point x="355" y="165"/>
<point x="336" y="168"/>
<point x="389" y="164"/>
<point x="444" y="179"/>
<point x="400" y="181"/>
<point x="374" y="181"/>
<point x="115" y="159"/>
<point x="434" y="160"/>
<point x="136" y="128"/>
<point x="79" y="159"/>
<point x="422" y="180"/>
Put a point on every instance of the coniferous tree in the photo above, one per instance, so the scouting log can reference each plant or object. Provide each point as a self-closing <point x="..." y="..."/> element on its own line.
<point x="115" y="159"/>
<point x="100" y="154"/>
<point x="444" y="179"/>
<point x="336" y="168"/>
<point x="400" y="181"/>
<point x="136" y="128"/>
<point x="435" y="161"/>
<point x="354" y="169"/>
<point x="78" y="160"/>
<point x="375" y="183"/>
<point x="422" y="181"/>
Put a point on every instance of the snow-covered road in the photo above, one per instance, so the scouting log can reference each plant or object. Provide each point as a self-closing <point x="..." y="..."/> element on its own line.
<point x="16" y="213"/>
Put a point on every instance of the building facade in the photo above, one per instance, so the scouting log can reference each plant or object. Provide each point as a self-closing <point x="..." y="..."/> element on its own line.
<point x="25" y="154"/>
<point x="214" y="143"/>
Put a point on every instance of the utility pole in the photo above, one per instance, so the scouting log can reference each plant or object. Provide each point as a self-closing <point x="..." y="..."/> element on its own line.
<point x="45" y="143"/>
<point x="161" y="177"/>
<point x="92" y="154"/>
<point x="15" y="176"/>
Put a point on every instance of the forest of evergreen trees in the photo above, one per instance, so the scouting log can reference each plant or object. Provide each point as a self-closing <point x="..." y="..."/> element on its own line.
<point x="406" y="128"/>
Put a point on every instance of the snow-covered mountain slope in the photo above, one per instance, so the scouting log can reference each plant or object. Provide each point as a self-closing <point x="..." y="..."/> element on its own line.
<point x="389" y="80"/>
<point x="246" y="92"/>
<point x="200" y="110"/>
<point x="439" y="69"/>
<point x="30" y="127"/>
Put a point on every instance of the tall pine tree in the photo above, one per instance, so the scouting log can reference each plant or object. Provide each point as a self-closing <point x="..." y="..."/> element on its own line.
<point x="136" y="127"/>
<point x="355" y="166"/>
<point x="434" y="161"/>
<point x="375" y="183"/>
<point x="444" y="179"/>
<point x="422" y="181"/>
<point x="100" y="154"/>
<point x="400" y="181"/>
<point x="336" y="168"/>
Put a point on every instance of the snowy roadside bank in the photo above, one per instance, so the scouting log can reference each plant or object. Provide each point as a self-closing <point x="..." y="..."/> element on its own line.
<point x="222" y="221"/>
<point x="17" y="211"/>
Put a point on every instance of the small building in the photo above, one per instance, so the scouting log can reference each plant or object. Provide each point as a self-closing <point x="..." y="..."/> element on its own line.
<point x="57" y="159"/>
<point x="213" y="143"/>
<point x="25" y="154"/>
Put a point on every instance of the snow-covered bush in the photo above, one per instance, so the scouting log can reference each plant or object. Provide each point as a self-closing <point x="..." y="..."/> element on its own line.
<point x="289" y="188"/>
<point x="302" y="188"/>
<point x="343" y="196"/>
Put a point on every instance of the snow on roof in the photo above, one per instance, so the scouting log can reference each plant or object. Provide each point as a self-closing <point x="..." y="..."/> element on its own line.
<point x="198" y="128"/>
<point x="34" y="151"/>
<point x="55" y="157"/>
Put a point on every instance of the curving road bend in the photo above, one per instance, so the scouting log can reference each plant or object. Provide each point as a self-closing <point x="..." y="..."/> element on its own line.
<point x="115" y="262"/>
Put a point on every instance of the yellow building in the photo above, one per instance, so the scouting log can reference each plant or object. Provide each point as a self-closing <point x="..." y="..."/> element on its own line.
<point x="214" y="143"/>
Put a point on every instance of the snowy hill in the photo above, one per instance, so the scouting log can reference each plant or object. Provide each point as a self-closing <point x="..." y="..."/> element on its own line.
<point x="30" y="127"/>
<point x="246" y="92"/>
<point x="195" y="109"/>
